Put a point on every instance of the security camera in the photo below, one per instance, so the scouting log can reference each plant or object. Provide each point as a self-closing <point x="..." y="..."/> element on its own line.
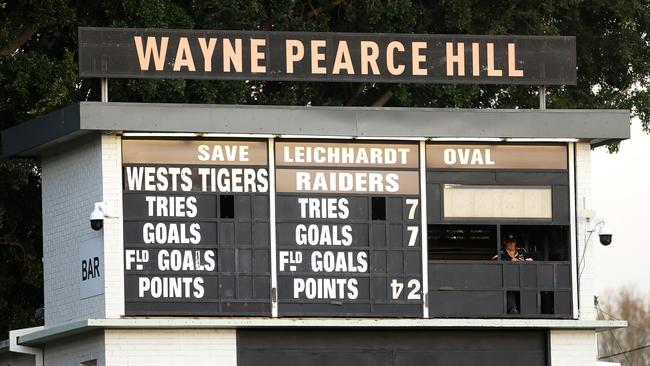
<point x="97" y="217"/>
<point x="605" y="239"/>
<point x="603" y="233"/>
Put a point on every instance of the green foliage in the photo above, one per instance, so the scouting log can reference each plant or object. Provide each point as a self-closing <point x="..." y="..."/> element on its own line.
<point x="21" y="290"/>
<point x="39" y="74"/>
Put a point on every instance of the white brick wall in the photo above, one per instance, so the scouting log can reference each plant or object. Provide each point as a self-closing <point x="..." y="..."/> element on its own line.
<point x="171" y="347"/>
<point x="74" y="350"/>
<point x="113" y="238"/>
<point x="573" y="348"/>
<point x="71" y="184"/>
<point x="583" y="195"/>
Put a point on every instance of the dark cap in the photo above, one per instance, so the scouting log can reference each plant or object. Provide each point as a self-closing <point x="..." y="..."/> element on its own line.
<point x="510" y="238"/>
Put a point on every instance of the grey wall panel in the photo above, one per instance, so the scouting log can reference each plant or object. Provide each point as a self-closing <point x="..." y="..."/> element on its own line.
<point x="561" y="204"/>
<point x="466" y="303"/>
<point x="528" y="177"/>
<point x="562" y="301"/>
<point x="461" y="176"/>
<point x="528" y="302"/>
<point x="391" y="347"/>
<point x="545" y="276"/>
<point x="563" y="276"/>
<point x="480" y="289"/>
<point x="511" y="276"/>
<point x="465" y="275"/>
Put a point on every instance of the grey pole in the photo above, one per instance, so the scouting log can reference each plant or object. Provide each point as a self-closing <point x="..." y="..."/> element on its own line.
<point x="542" y="97"/>
<point x="104" y="89"/>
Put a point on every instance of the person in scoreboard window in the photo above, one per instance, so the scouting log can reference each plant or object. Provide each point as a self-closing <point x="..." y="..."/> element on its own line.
<point x="512" y="252"/>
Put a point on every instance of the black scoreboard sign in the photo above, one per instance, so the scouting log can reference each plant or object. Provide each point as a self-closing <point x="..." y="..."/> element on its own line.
<point x="302" y="56"/>
<point x="348" y="222"/>
<point x="326" y="228"/>
<point x="196" y="227"/>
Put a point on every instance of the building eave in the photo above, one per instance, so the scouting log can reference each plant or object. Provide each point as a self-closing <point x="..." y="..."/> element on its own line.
<point x="50" y="334"/>
<point x="33" y="137"/>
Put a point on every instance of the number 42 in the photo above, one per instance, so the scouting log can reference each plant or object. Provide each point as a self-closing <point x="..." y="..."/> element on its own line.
<point x="413" y="285"/>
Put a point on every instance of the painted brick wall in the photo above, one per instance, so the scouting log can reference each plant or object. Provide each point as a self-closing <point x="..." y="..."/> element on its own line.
<point x="586" y="262"/>
<point x="171" y="347"/>
<point x="75" y="350"/>
<point x="573" y="348"/>
<point x="113" y="240"/>
<point x="71" y="184"/>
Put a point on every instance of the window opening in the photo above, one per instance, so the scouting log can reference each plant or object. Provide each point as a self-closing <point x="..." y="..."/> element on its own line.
<point x="513" y="302"/>
<point x="547" y="302"/>
<point x="539" y="243"/>
<point x="461" y="242"/>
<point x="227" y="206"/>
<point x="378" y="208"/>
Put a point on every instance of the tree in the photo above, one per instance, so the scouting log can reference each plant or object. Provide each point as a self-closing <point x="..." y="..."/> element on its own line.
<point x="38" y="73"/>
<point x="629" y="346"/>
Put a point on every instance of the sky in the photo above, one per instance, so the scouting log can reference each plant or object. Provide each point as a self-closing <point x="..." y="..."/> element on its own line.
<point x="621" y="195"/>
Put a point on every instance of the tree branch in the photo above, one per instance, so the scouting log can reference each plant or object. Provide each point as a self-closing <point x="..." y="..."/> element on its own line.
<point x="19" y="39"/>
<point x="356" y="94"/>
<point x="315" y="11"/>
<point x="383" y="99"/>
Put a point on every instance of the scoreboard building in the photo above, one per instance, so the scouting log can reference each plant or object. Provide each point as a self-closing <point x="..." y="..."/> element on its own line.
<point x="261" y="235"/>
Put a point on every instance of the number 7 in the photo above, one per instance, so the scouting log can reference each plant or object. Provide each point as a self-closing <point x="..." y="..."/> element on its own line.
<point x="413" y="202"/>
<point x="414" y="234"/>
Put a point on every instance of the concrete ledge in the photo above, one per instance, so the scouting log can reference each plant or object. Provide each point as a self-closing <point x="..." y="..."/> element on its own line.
<point x="33" y="137"/>
<point x="65" y="330"/>
<point x="4" y="346"/>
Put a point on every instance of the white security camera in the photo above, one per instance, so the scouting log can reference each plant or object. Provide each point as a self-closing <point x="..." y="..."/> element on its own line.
<point x="101" y="211"/>
<point x="604" y="234"/>
<point x="97" y="216"/>
<point x="605" y="239"/>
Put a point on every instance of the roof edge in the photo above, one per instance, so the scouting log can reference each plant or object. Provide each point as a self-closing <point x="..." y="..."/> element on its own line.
<point x="68" y="329"/>
<point x="41" y="130"/>
<point x="4" y="346"/>
<point x="33" y="137"/>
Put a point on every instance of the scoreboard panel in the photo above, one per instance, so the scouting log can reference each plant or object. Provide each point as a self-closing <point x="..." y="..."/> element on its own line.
<point x="348" y="222"/>
<point x="196" y="227"/>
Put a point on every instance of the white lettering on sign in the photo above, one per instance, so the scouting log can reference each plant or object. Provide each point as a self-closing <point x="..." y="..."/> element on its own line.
<point x="467" y="157"/>
<point x="413" y="286"/>
<point x="171" y="287"/>
<point x="347" y="182"/>
<point x="223" y="153"/>
<point x="186" y="260"/>
<point x="329" y="262"/>
<point x="325" y="288"/>
<point x="323" y="235"/>
<point x="171" y="206"/>
<point x="236" y="180"/>
<point x="162" y="179"/>
<point x="290" y="258"/>
<point x="171" y="233"/>
<point x="345" y="155"/>
<point x="137" y="257"/>
<point x="324" y="208"/>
